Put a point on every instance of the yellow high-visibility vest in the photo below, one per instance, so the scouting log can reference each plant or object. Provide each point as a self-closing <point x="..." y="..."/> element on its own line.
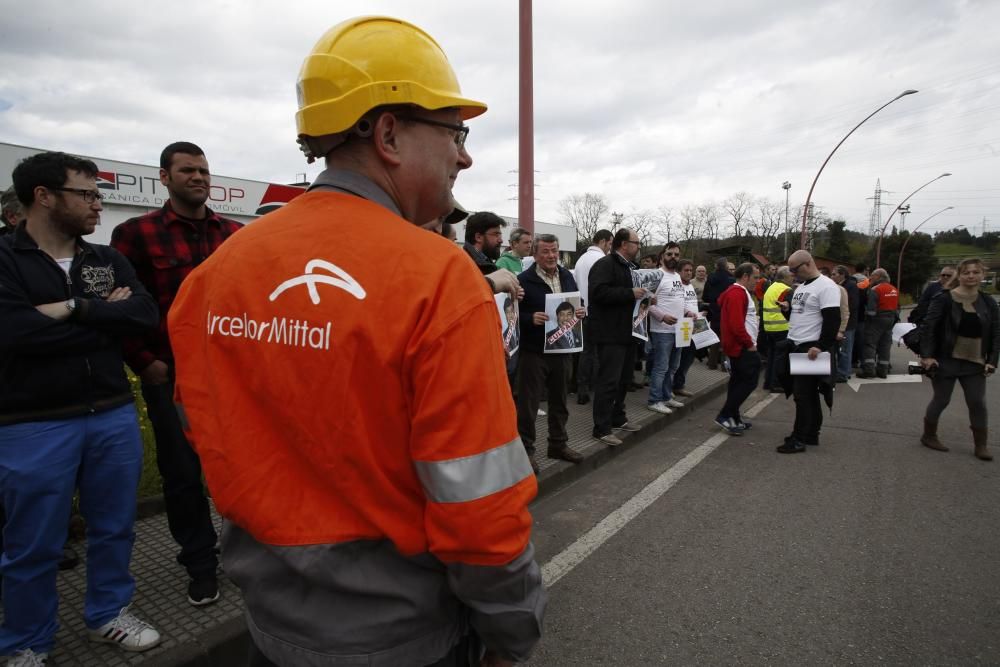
<point x="774" y="321"/>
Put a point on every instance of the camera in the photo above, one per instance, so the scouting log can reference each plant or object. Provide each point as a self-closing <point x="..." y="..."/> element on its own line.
<point x="914" y="368"/>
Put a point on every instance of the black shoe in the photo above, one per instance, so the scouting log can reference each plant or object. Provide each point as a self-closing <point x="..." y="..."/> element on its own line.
<point x="582" y="399"/>
<point x="69" y="558"/>
<point x="842" y="378"/>
<point x="791" y="446"/>
<point x="203" y="590"/>
<point x="882" y="372"/>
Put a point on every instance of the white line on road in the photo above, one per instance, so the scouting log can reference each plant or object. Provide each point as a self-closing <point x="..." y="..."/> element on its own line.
<point x="588" y="543"/>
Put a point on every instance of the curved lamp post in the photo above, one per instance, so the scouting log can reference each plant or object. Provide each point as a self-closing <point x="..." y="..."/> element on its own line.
<point x="878" y="249"/>
<point x="805" y="209"/>
<point x="899" y="268"/>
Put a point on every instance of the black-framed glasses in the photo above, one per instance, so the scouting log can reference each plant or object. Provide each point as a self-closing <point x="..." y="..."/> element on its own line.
<point x="460" y="130"/>
<point x="635" y="242"/>
<point x="89" y="196"/>
<point x="795" y="269"/>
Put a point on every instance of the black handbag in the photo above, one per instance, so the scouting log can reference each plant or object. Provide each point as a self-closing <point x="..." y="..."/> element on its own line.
<point x="911" y="340"/>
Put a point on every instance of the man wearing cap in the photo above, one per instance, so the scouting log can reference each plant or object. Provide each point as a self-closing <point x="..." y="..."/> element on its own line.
<point x="367" y="523"/>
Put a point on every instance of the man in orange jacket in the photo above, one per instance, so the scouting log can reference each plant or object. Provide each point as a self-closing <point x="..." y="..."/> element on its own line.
<point x="370" y="519"/>
<point x="881" y="313"/>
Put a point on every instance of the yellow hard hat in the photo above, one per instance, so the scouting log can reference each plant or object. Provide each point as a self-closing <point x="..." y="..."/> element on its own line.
<point x="372" y="61"/>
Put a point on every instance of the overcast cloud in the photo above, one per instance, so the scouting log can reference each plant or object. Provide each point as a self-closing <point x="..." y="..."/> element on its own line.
<point x="648" y="103"/>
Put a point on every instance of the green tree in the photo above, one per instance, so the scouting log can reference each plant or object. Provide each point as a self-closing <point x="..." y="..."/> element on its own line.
<point x="837" y="247"/>
<point x="919" y="262"/>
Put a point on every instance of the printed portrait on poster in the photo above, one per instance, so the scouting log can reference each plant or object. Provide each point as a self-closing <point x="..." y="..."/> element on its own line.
<point x="510" y="328"/>
<point x="639" y="319"/>
<point x="564" y="328"/>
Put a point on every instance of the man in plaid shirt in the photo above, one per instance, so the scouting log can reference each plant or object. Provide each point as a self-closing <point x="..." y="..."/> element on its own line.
<point x="165" y="246"/>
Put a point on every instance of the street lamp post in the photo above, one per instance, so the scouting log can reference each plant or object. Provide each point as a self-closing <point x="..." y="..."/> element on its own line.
<point x="878" y="249"/>
<point x="805" y="209"/>
<point x="786" y="186"/>
<point x="899" y="267"/>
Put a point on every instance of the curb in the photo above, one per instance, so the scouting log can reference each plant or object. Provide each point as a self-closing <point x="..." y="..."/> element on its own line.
<point x="563" y="473"/>
<point x="229" y="642"/>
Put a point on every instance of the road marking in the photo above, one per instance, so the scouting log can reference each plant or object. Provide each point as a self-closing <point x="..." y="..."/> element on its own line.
<point x="588" y="543"/>
<point x="855" y="383"/>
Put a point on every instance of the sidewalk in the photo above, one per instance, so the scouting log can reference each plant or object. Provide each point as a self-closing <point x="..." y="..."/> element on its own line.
<point x="216" y="635"/>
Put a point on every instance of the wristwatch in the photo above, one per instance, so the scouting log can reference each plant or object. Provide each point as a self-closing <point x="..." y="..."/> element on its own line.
<point x="71" y="306"/>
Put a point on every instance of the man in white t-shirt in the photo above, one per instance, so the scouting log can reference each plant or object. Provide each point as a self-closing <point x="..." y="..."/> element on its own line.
<point x="663" y="316"/>
<point x="738" y="324"/>
<point x="812" y="328"/>
<point x="581" y="273"/>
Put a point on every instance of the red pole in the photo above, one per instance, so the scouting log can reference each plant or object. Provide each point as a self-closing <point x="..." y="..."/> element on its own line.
<point x="526" y="136"/>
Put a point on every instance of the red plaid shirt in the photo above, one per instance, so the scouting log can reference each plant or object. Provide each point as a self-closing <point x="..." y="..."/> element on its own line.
<point x="164" y="248"/>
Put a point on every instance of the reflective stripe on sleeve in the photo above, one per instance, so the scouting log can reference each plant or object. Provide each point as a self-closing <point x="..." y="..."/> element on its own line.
<point x="472" y="477"/>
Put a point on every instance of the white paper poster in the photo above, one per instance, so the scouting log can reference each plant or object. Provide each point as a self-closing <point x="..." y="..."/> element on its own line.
<point x="640" y="322"/>
<point x="564" y="330"/>
<point x="703" y="335"/>
<point x="683" y="330"/>
<point x="799" y="363"/>
<point x="510" y="328"/>
<point x="900" y="330"/>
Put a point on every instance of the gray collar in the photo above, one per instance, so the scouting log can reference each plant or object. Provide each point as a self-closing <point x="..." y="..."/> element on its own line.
<point x="351" y="182"/>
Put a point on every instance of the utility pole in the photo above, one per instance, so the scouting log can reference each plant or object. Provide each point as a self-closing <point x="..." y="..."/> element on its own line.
<point x="786" y="186"/>
<point x="526" y="117"/>
<point x="903" y="212"/>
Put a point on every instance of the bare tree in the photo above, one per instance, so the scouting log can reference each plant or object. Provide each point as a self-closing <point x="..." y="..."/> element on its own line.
<point x="663" y="220"/>
<point x="643" y="223"/>
<point x="711" y="223"/>
<point x="586" y="212"/>
<point x="765" y="224"/>
<point x="737" y="207"/>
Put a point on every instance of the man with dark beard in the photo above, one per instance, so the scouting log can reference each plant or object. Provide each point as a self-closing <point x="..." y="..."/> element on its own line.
<point x="164" y="247"/>
<point x="483" y="239"/>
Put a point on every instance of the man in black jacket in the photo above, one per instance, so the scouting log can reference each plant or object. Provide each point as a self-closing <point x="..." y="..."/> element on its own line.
<point x="842" y="277"/>
<point x="611" y="301"/>
<point x="717" y="283"/>
<point x="538" y="371"/>
<point x="67" y="418"/>
<point x="920" y="312"/>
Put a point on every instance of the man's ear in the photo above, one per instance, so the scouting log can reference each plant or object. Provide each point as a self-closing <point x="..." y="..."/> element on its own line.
<point x="385" y="137"/>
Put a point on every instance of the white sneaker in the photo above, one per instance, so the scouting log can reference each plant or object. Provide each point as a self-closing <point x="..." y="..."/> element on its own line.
<point x="660" y="407"/>
<point x="674" y="403"/>
<point x="28" y="658"/>
<point x="128" y="632"/>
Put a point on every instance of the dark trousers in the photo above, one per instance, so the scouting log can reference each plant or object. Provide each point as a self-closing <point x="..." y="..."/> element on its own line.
<point x="614" y="374"/>
<point x="858" y="353"/>
<point x="772" y="338"/>
<point x="512" y="373"/>
<point x="587" y="367"/>
<point x="687" y="358"/>
<point x="538" y="372"/>
<point x="743" y="373"/>
<point x="188" y="515"/>
<point x="466" y="653"/>
<point x="878" y="339"/>
<point x="808" y="410"/>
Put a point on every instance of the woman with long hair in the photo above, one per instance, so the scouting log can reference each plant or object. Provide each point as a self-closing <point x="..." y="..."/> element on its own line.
<point x="960" y="340"/>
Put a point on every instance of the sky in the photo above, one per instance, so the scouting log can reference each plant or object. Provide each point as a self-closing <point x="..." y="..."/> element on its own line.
<point x="651" y="104"/>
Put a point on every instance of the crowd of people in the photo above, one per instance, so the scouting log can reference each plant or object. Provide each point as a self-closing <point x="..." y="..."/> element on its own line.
<point x="372" y="470"/>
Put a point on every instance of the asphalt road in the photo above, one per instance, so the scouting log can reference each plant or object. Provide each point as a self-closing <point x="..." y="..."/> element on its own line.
<point x="868" y="549"/>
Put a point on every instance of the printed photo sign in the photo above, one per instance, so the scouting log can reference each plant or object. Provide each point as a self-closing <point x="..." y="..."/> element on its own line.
<point x="564" y="330"/>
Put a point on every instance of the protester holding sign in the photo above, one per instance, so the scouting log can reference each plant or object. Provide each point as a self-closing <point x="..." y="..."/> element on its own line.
<point x="538" y="371"/>
<point x="669" y="308"/>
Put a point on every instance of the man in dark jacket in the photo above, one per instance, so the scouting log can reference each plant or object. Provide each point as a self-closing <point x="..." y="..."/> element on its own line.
<point x="717" y="283"/>
<point x="538" y="371"/>
<point x="483" y="239"/>
<point x="12" y="211"/>
<point x="920" y="312"/>
<point x="610" y="304"/>
<point x="67" y="418"/>
<point x="842" y="277"/>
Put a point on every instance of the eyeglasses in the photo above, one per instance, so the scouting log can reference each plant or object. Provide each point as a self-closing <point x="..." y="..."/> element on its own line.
<point x="947" y="275"/>
<point x="635" y="242"/>
<point x="794" y="269"/>
<point x="460" y="130"/>
<point x="89" y="196"/>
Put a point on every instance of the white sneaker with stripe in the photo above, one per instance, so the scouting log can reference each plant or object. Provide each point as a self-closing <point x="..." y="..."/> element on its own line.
<point x="127" y="631"/>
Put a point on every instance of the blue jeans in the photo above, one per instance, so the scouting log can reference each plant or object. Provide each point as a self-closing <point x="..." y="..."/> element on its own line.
<point x="666" y="359"/>
<point x="844" y="357"/>
<point x="41" y="465"/>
